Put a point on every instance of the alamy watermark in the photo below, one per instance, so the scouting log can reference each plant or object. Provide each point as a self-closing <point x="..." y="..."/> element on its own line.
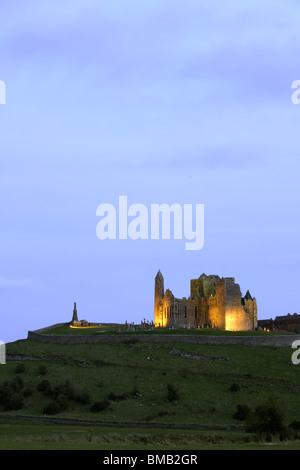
<point x="2" y="353"/>
<point x="138" y="222"/>
<point x="295" y="359"/>
<point x="2" y="92"/>
<point x="296" y="94"/>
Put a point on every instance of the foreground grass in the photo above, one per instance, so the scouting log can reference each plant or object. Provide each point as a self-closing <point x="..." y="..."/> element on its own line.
<point x="135" y="377"/>
<point x="24" y="436"/>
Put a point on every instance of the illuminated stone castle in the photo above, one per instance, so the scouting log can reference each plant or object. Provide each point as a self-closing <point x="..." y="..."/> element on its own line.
<point x="214" y="302"/>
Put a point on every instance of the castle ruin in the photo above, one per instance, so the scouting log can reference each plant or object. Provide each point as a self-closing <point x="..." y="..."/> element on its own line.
<point x="214" y="302"/>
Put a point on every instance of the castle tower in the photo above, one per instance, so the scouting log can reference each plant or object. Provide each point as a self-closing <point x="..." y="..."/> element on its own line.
<point x="159" y="293"/>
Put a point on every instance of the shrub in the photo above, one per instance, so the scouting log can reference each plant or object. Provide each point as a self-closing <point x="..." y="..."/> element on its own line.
<point x="100" y="363"/>
<point x="267" y="420"/>
<point x="112" y="396"/>
<point x="62" y="402"/>
<point x="234" y="387"/>
<point x="172" y="393"/>
<point x="20" y="368"/>
<point x="83" y="398"/>
<point x="17" y="384"/>
<point x="295" y="425"/>
<point x="4" y="393"/>
<point x="10" y="397"/>
<point x="65" y="393"/>
<point x="42" y="370"/>
<point x="44" y="386"/>
<point x="27" y="392"/>
<point x="69" y="391"/>
<point x="14" y="402"/>
<point x="243" y="412"/>
<point x="163" y="413"/>
<point x="66" y="389"/>
<point x="101" y="405"/>
<point x="51" y="409"/>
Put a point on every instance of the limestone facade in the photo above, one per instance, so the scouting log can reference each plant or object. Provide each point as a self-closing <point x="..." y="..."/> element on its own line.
<point x="214" y="302"/>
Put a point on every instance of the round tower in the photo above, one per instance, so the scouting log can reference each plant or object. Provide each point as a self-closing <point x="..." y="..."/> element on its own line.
<point x="159" y="293"/>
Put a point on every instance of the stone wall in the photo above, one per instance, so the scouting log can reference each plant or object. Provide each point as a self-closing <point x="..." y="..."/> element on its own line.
<point x="274" y="340"/>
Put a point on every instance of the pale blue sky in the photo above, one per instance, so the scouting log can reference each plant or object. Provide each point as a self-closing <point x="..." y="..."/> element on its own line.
<point x="162" y="101"/>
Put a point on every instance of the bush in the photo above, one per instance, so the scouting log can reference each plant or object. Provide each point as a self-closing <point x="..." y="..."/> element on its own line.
<point x="27" y="392"/>
<point x="295" y="425"/>
<point x="100" y="363"/>
<point x="4" y="393"/>
<point x="234" y="387"/>
<point x="172" y="393"/>
<point x="10" y="396"/>
<point x="51" y="409"/>
<point x="63" y="394"/>
<point x="83" y="398"/>
<point x="17" y="384"/>
<point x="20" y="368"/>
<point x="66" y="389"/>
<point x="243" y="412"/>
<point x="112" y="396"/>
<point x="62" y="402"/>
<point x="69" y="391"/>
<point x="267" y="421"/>
<point x="45" y="387"/>
<point x="14" y="402"/>
<point x="101" y="405"/>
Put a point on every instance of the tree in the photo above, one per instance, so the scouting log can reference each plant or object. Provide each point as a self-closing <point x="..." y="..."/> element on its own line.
<point x="268" y="420"/>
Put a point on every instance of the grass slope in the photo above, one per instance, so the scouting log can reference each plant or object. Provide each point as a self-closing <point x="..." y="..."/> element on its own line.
<point x="133" y="380"/>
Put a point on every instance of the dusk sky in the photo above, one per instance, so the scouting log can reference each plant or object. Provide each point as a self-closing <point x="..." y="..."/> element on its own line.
<point x="163" y="102"/>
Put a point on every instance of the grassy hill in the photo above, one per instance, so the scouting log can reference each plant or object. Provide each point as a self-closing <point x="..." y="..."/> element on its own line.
<point x="170" y="389"/>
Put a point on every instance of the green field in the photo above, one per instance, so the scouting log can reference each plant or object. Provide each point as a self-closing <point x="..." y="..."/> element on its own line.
<point x="24" y="436"/>
<point x="180" y="387"/>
